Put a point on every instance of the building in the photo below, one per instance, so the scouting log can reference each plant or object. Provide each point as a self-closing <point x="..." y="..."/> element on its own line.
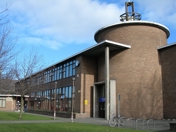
<point x="11" y="102"/>
<point x="167" y="60"/>
<point x="125" y="74"/>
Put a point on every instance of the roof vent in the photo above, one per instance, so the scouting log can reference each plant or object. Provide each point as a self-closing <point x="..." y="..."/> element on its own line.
<point x="130" y="15"/>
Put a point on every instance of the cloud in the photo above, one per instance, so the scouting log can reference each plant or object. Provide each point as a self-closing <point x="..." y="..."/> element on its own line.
<point x="162" y="11"/>
<point x="65" y="21"/>
<point x="46" y="42"/>
<point x="56" y="23"/>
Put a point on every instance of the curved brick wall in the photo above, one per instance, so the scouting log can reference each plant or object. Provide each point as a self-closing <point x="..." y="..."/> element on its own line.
<point x="137" y="71"/>
<point x="124" y="32"/>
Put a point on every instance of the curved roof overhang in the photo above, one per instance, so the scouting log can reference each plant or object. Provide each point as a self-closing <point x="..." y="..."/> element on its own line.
<point x="127" y="23"/>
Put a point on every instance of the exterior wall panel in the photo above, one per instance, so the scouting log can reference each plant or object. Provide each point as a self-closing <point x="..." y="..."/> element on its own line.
<point x="167" y="57"/>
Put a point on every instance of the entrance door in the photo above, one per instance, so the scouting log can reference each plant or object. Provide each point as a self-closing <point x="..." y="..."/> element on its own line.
<point x="102" y="107"/>
<point x="99" y="100"/>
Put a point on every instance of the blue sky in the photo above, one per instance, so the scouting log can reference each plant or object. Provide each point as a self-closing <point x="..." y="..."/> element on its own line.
<point x="61" y="28"/>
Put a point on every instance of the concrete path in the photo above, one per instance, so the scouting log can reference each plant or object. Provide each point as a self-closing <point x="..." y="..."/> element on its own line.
<point x="160" y="125"/>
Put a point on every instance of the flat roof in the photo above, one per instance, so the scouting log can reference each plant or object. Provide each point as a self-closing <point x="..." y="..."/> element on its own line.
<point x="12" y="95"/>
<point x="99" y="48"/>
<point x="96" y="50"/>
<point x="166" y="46"/>
<point x="149" y="23"/>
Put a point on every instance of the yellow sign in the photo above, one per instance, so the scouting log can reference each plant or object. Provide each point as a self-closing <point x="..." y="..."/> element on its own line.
<point x="85" y="102"/>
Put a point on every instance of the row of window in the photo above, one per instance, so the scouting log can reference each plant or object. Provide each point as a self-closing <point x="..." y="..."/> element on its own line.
<point x="61" y="105"/>
<point x="64" y="92"/>
<point x="59" y="72"/>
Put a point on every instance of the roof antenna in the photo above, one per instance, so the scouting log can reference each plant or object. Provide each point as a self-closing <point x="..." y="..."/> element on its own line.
<point x="129" y="14"/>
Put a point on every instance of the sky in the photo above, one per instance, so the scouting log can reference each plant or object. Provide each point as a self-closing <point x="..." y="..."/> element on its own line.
<point x="59" y="29"/>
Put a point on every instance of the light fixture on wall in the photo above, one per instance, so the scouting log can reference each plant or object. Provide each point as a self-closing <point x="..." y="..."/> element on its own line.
<point x="77" y="63"/>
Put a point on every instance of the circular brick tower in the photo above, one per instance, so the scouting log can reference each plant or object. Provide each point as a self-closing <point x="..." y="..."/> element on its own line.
<point x="137" y="71"/>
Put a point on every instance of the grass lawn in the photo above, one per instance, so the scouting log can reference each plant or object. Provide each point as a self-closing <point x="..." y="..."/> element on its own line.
<point x="15" y="116"/>
<point x="61" y="127"/>
<point x="51" y="127"/>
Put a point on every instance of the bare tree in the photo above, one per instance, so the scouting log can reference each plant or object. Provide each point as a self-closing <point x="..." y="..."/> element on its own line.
<point x="7" y="82"/>
<point x="7" y="53"/>
<point x="7" y="41"/>
<point x="25" y="74"/>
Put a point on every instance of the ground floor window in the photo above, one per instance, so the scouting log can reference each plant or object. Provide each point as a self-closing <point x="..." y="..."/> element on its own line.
<point x="2" y="102"/>
<point x="63" y="104"/>
<point x="46" y="100"/>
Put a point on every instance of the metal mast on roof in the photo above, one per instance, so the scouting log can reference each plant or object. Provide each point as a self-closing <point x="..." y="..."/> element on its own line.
<point x="129" y="14"/>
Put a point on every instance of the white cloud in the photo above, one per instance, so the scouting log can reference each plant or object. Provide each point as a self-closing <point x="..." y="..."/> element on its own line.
<point x="162" y="11"/>
<point x="65" y="21"/>
<point x="53" y="44"/>
<point x="54" y="23"/>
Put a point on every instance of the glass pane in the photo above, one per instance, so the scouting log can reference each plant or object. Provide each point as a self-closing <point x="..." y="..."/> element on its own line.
<point x="55" y="74"/>
<point x="3" y="103"/>
<point x="66" y="92"/>
<point x="70" y="92"/>
<point x="60" y="72"/>
<point x="57" y="78"/>
<point x="71" y="70"/>
<point x="63" y="92"/>
<point x="74" y="72"/>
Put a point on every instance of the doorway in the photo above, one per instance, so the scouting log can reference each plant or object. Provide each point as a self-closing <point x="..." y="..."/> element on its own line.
<point x="99" y="100"/>
<point x="100" y="107"/>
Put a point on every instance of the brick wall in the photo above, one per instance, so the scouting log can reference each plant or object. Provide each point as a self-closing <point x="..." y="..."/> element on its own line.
<point x="167" y="57"/>
<point x="10" y="104"/>
<point x="88" y="77"/>
<point x="137" y="70"/>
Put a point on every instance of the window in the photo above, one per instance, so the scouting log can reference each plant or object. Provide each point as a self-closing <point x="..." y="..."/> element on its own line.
<point x="2" y="102"/>
<point x="66" y="92"/>
<point x="67" y="70"/>
<point x="64" y="70"/>
<point x="55" y="74"/>
<point x="51" y="75"/>
<point x="74" y="71"/>
<point x="32" y="94"/>
<point x="71" y="69"/>
<point x="60" y="72"/>
<point x="45" y="77"/>
<point x="48" y="77"/>
<point x="70" y="92"/>
<point x="63" y="92"/>
<point x="48" y="94"/>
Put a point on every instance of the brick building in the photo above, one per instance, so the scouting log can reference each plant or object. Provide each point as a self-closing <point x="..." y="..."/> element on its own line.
<point x="167" y="60"/>
<point x="125" y="74"/>
<point x="11" y="102"/>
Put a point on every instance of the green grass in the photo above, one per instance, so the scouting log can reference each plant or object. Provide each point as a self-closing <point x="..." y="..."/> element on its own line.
<point x="15" y="116"/>
<point x="60" y="127"/>
<point x="51" y="127"/>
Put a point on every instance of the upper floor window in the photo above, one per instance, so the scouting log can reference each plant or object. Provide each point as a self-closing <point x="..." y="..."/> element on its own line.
<point x="62" y="71"/>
